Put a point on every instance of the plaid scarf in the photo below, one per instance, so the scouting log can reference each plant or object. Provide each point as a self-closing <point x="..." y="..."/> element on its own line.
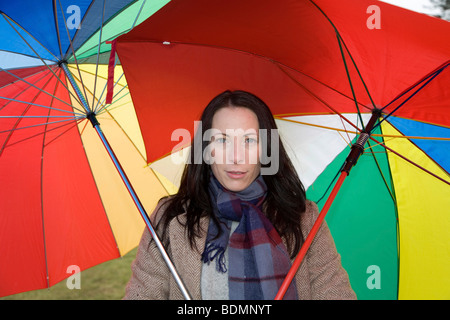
<point x="258" y="260"/>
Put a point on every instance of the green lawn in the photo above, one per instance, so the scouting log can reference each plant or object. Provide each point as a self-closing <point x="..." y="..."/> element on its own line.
<point x="103" y="282"/>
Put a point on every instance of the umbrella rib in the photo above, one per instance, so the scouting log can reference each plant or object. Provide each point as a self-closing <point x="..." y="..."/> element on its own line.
<point x="21" y="92"/>
<point x="321" y="126"/>
<point x="98" y="100"/>
<point x="81" y="23"/>
<point x="59" y="41"/>
<point x="44" y="63"/>
<point x="42" y="197"/>
<point x="380" y="171"/>
<point x="39" y="105"/>
<point x="40" y="133"/>
<point x="94" y="111"/>
<point x="359" y="73"/>
<point x="38" y="56"/>
<point x="349" y="141"/>
<point x="20" y="119"/>
<point x="91" y="73"/>
<point x="281" y="66"/>
<point x="347" y="133"/>
<point x="342" y="42"/>
<point x="102" y="105"/>
<point x="92" y="93"/>
<point x="55" y="15"/>
<point x="330" y="185"/>
<point x="157" y="177"/>
<point x="126" y="135"/>
<point x="115" y="103"/>
<point x="74" y="125"/>
<point x="134" y="23"/>
<point x="71" y="93"/>
<point x="430" y="78"/>
<point x="431" y="74"/>
<point x="35" y="117"/>
<point x="36" y="87"/>
<point x="278" y="117"/>
<point x="176" y="149"/>
<point x="137" y="16"/>
<point x="98" y="53"/>
<point x="74" y="55"/>
<point x="416" y="146"/>
<point x="8" y="19"/>
<point x="118" y="34"/>
<point x="410" y="161"/>
<point x="10" y="131"/>
<point x="6" y="140"/>
<point x="42" y="106"/>
<point x="318" y="98"/>
<point x="42" y="124"/>
<point x="318" y="81"/>
<point x="411" y="137"/>
<point x="28" y="56"/>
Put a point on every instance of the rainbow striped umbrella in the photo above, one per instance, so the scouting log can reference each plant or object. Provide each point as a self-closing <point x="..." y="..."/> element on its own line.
<point x="341" y="77"/>
<point x="63" y="205"/>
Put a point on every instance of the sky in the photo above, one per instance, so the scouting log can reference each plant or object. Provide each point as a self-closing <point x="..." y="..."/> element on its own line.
<point x="423" y="6"/>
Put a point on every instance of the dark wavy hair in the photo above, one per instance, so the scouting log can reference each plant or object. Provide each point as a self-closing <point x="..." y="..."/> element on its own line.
<point x="285" y="200"/>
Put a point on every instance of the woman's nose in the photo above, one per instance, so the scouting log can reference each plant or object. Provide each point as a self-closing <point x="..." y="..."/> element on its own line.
<point x="236" y="152"/>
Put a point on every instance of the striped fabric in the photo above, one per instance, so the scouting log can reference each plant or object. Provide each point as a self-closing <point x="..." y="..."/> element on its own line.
<point x="258" y="260"/>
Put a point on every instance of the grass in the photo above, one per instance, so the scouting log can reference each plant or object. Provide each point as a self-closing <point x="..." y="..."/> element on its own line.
<point x="106" y="281"/>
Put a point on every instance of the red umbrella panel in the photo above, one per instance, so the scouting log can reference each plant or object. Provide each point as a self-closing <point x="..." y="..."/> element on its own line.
<point x="311" y="61"/>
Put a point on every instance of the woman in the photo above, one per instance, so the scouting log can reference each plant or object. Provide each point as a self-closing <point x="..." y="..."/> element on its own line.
<point x="232" y="231"/>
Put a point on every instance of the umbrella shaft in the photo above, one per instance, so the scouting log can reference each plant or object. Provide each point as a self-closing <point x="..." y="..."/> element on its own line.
<point x="141" y="210"/>
<point x="93" y="119"/>
<point x="76" y="88"/>
<point x="356" y="150"/>
<point x="358" y="147"/>
<point x="298" y="260"/>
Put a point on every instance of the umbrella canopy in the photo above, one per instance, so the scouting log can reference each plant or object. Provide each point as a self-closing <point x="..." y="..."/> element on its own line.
<point x="322" y="66"/>
<point x="62" y="202"/>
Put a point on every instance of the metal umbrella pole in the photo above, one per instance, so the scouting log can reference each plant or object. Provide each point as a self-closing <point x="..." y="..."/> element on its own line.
<point x="92" y="117"/>
<point x="356" y="150"/>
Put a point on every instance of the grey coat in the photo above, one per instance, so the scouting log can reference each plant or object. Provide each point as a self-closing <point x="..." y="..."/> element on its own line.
<point x="320" y="276"/>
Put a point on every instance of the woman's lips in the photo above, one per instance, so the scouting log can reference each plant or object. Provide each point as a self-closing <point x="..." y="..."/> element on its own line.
<point x="235" y="174"/>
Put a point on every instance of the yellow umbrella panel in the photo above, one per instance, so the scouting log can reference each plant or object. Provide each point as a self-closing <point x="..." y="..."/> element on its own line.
<point x="120" y="126"/>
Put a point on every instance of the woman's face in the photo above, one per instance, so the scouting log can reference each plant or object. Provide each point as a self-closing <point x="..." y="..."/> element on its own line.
<point x="234" y="147"/>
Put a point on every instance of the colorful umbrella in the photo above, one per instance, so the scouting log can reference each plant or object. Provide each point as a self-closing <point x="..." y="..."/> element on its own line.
<point x="63" y="206"/>
<point x="341" y="77"/>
